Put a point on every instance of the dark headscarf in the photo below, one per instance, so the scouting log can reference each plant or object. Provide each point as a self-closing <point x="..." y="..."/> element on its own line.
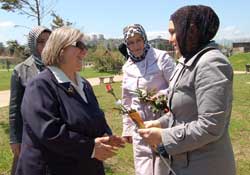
<point x="123" y="49"/>
<point x="195" y="26"/>
<point x="130" y="31"/>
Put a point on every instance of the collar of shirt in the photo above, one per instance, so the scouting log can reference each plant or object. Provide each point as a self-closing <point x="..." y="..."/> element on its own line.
<point x="62" y="78"/>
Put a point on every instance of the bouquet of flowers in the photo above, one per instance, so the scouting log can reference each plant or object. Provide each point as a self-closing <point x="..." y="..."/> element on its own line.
<point x="135" y="116"/>
<point x="132" y="113"/>
<point x="157" y="103"/>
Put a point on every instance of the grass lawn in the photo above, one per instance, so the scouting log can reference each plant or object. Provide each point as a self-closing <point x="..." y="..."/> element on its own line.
<point x="239" y="61"/>
<point x="240" y="123"/>
<point x="122" y="164"/>
<point x="5" y="79"/>
<point x="5" y="76"/>
<point x="91" y="73"/>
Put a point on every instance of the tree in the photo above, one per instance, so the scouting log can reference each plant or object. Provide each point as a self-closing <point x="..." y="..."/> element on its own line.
<point x="16" y="50"/>
<point x="2" y="49"/>
<point x="12" y="46"/>
<point x="31" y="8"/>
<point x="58" y="21"/>
<point x="106" y="60"/>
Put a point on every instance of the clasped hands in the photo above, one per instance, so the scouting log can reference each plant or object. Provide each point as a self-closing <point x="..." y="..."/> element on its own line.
<point x="106" y="146"/>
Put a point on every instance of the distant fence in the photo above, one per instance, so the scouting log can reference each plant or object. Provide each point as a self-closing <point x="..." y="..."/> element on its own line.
<point x="88" y="64"/>
<point x="6" y="58"/>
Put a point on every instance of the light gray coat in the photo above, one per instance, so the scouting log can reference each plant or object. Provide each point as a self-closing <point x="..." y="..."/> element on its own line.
<point x="200" y="100"/>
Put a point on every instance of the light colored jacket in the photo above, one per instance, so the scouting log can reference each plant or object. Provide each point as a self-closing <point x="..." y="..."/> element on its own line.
<point x="151" y="73"/>
<point x="200" y="100"/>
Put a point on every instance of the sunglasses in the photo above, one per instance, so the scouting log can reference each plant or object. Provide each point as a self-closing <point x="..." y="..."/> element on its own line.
<point x="80" y="45"/>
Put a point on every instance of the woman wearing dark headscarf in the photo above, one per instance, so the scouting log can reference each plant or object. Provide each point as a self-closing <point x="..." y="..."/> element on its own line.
<point x="149" y="69"/>
<point x="195" y="133"/>
<point x="22" y="73"/>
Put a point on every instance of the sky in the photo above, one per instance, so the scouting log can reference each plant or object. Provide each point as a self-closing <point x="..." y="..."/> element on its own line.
<point x="109" y="17"/>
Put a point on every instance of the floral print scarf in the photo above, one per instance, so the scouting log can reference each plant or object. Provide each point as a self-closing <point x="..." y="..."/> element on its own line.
<point x="130" y="31"/>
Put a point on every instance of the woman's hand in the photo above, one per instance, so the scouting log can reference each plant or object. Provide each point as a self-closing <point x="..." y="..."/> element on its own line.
<point x="16" y="148"/>
<point x="152" y="135"/>
<point x="152" y="124"/>
<point x="102" y="150"/>
<point x="128" y="139"/>
<point x="116" y="141"/>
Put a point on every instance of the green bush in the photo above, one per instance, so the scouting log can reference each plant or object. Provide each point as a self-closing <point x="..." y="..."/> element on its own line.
<point x="107" y="61"/>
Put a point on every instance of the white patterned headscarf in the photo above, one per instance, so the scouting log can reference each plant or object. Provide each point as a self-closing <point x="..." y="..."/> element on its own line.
<point x="33" y="36"/>
<point x="32" y="44"/>
<point x="130" y="31"/>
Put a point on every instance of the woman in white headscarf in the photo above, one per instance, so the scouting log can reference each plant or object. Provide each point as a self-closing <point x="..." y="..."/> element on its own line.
<point x="150" y="69"/>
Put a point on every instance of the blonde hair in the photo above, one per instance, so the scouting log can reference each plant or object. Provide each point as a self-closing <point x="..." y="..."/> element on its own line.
<point x="58" y="40"/>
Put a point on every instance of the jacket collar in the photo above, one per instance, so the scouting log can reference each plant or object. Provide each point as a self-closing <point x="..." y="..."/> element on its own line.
<point x="30" y="61"/>
<point x="192" y="60"/>
<point x="149" y="59"/>
<point x="63" y="80"/>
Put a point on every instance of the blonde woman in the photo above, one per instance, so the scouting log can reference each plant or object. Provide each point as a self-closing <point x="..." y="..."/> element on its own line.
<point x="64" y="127"/>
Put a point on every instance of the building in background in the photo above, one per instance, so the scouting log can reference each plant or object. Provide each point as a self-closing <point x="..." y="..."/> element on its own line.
<point x="241" y="47"/>
<point x="162" y="44"/>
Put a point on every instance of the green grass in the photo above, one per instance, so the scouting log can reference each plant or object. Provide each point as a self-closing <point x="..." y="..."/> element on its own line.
<point x="91" y="73"/>
<point x="5" y="152"/>
<point x="5" y="77"/>
<point x="239" y="61"/>
<point x="122" y="164"/>
<point x="240" y="123"/>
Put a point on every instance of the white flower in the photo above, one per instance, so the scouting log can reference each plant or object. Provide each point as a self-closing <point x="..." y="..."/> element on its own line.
<point x="118" y="102"/>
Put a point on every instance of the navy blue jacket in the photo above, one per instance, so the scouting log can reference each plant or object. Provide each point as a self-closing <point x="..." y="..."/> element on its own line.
<point x="59" y="129"/>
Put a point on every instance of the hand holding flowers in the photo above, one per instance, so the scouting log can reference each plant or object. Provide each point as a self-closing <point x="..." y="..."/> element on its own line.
<point x="153" y="135"/>
<point x="132" y="113"/>
<point x="152" y="124"/>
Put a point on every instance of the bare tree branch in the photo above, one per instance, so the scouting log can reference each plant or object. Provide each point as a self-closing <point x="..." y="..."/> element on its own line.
<point x="32" y="8"/>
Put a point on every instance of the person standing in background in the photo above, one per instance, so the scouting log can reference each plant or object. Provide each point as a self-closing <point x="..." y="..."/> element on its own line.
<point x="149" y="69"/>
<point x="21" y="75"/>
<point x="195" y="132"/>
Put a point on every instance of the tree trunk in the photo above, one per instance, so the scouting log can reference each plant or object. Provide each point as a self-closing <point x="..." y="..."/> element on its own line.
<point x="38" y="13"/>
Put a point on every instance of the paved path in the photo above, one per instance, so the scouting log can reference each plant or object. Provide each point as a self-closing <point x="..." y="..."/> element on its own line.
<point x="240" y="72"/>
<point x="5" y="95"/>
<point x="4" y="98"/>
